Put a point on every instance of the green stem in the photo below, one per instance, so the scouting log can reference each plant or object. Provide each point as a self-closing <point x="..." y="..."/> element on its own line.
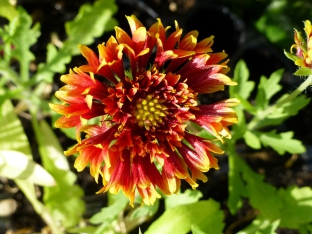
<point x="40" y="208"/>
<point x="295" y="93"/>
<point x="254" y="122"/>
<point x="29" y="192"/>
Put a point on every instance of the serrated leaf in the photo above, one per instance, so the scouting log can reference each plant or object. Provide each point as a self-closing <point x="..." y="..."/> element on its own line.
<point x="268" y="87"/>
<point x="241" y="75"/>
<point x="297" y="209"/>
<point x="285" y="111"/>
<point x="7" y="10"/>
<point x="281" y="142"/>
<point x="63" y="57"/>
<point x="258" y="191"/>
<point x="179" y="219"/>
<point x="63" y="201"/>
<point x="91" y="21"/>
<point x="56" y="64"/>
<point x="261" y="226"/>
<point x="6" y="71"/>
<point x="303" y="71"/>
<point x="189" y="196"/>
<point x="16" y="165"/>
<point x="108" y="214"/>
<point x="272" y="84"/>
<point x="23" y="37"/>
<point x="252" y="140"/>
<point x="250" y="184"/>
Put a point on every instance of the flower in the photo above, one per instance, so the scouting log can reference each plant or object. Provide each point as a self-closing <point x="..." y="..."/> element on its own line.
<point x="133" y="103"/>
<point x="303" y="55"/>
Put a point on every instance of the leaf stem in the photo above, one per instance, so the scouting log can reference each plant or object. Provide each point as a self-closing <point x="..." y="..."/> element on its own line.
<point x="38" y="206"/>
<point x="29" y="192"/>
<point x="285" y="99"/>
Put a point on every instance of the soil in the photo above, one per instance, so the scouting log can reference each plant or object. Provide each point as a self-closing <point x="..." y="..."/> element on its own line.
<point x="234" y="35"/>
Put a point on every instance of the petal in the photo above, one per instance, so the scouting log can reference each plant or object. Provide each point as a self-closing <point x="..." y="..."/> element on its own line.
<point x="64" y="122"/>
<point x="123" y="37"/>
<point x="89" y="55"/>
<point x="134" y="23"/>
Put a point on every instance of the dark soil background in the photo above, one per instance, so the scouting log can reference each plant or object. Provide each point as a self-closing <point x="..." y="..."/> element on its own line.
<point x="232" y="25"/>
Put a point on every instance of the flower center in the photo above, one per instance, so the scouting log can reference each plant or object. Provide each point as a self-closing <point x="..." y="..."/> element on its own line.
<point x="149" y="112"/>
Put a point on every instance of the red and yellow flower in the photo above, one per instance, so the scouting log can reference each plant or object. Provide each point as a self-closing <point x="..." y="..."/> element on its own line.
<point x="303" y="46"/>
<point x="142" y="90"/>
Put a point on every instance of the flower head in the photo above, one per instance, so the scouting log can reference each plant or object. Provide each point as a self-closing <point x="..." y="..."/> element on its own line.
<point x="303" y="55"/>
<point x="133" y="102"/>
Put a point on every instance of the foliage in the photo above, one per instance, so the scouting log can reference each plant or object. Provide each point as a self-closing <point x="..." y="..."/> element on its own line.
<point x="62" y="205"/>
<point x="22" y="96"/>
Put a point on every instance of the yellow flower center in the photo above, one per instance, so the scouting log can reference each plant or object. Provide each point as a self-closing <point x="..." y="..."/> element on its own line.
<point x="149" y="112"/>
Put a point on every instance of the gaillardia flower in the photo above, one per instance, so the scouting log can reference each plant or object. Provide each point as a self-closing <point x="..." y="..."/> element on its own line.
<point x="133" y="102"/>
<point x="303" y="55"/>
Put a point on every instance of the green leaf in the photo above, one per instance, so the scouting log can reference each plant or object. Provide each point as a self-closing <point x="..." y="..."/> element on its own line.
<point x="237" y="188"/>
<point x="84" y="230"/>
<point x="238" y="129"/>
<point x="268" y="87"/>
<point x="281" y="142"/>
<point x="7" y="10"/>
<point x="297" y="209"/>
<point x="196" y="230"/>
<point x="241" y="75"/>
<point x="12" y="135"/>
<point x="205" y="134"/>
<point x="243" y="182"/>
<point x="246" y="104"/>
<point x="179" y="219"/>
<point x="16" y="165"/>
<point x="258" y="190"/>
<point x="283" y="112"/>
<point x="252" y="140"/>
<point x="277" y="29"/>
<point x="23" y="37"/>
<point x="273" y="32"/>
<point x="108" y="214"/>
<point x="261" y="226"/>
<point x="92" y="21"/>
<point x="291" y="56"/>
<point x="145" y="211"/>
<point x="261" y="101"/>
<point x="303" y="71"/>
<point x="64" y="200"/>
<point x="189" y="196"/>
